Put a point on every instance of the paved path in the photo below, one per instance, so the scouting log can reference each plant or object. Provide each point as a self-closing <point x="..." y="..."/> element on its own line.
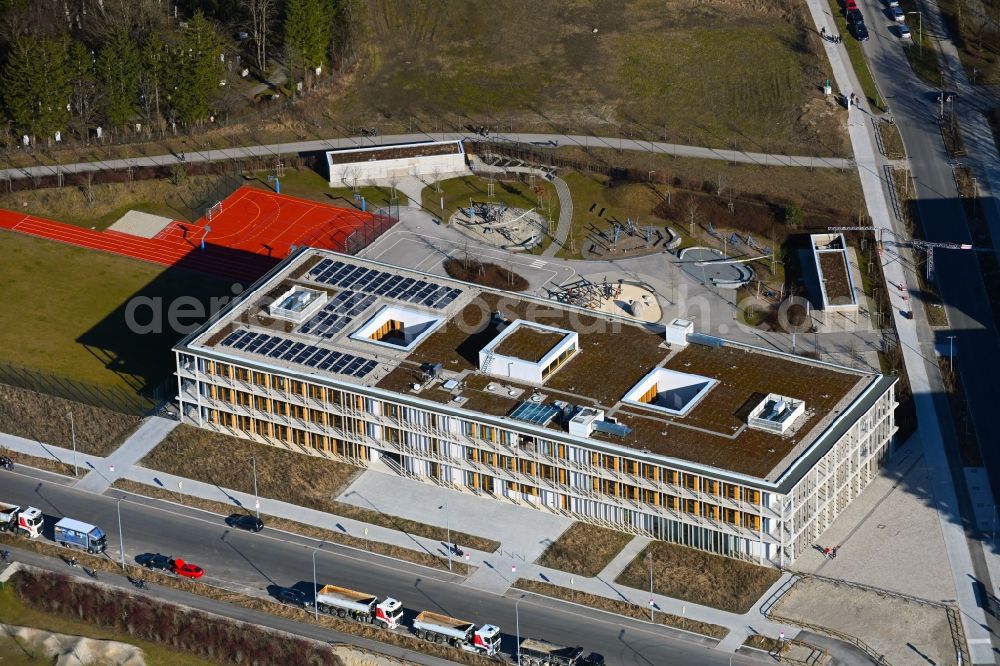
<point x="945" y="498"/>
<point x="565" y="217"/>
<point x="152" y="431"/>
<point x="624" y="558"/>
<point x="316" y="145"/>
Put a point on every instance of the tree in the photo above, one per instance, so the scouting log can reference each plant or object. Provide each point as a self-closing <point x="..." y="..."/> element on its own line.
<point x="151" y="77"/>
<point x="85" y="96"/>
<point x="261" y="13"/>
<point x="118" y="72"/>
<point x="196" y="70"/>
<point x="793" y="215"/>
<point x="36" y="85"/>
<point x="308" y="30"/>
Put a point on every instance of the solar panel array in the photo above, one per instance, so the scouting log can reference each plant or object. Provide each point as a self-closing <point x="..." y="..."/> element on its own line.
<point x="382" y="283"/>
<point x="337" y="314"/>
<point x="275" y="346"/>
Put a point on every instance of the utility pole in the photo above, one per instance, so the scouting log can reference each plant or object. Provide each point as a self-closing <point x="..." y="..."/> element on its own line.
<point x="121" y="536"/>
<point x="447" y="517"/>
<point x="652" y="605"/>
<point x="951" y="354"/>
<point x="256" y="497"/>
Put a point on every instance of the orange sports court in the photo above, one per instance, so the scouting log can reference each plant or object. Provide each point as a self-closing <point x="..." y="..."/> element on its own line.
<point x="240" y="238"/>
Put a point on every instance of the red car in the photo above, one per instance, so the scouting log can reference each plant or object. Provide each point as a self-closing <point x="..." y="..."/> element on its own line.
<point x="186" y="569"/>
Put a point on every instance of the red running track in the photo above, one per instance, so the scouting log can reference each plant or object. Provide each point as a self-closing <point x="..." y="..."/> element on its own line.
<point x="254" y="230"/>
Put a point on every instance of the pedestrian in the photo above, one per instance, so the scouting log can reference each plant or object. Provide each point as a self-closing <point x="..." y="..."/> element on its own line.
<point x="822" y="33"/>
<point x="834" y="552"/>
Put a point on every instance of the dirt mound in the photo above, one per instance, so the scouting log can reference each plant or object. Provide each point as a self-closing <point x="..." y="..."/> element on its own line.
<point x="74" y="650"/>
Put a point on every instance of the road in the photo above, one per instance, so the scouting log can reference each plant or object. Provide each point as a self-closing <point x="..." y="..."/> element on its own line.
<point x="252" y="562"/>
<point x="542" y="140"/>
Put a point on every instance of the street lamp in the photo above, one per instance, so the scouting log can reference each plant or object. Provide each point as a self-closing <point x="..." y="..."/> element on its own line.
<point x="920" y="30"/>
<point x="652" y="611"/>
<point x="121" y="536"/>
<point x="72" y="431"/>
<point x="951" y="353"/>
<point x="447" y="518"/>
<point x="517" y="628"/>
<point x="315" y="587"/>
<point x="256" y="497"/>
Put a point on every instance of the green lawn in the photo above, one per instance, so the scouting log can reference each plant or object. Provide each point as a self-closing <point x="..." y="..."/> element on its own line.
<point x="857" y="57"/>
<point x="72" y="311"/>
<point x="13" y="612"/>
<point x="308" y="184"/>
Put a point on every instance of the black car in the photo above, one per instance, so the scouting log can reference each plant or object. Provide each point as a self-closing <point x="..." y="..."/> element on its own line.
<point x="154" y="561"/>
<point x="6" y="463"/>
<point x="294" y="597"/>
<point x="594" y="659"/>
<point x="245" y="521"/>
<point x="854" y="16"/>
<point x="860" y="31"/>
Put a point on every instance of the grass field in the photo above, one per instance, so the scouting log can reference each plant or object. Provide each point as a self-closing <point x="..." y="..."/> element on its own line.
<point x="13" y="612"/>
<point x="73" y="316"/>
<point x="308" y="184"/>
<point x="711" y="74"/>
<point x="309" y="481"/>
<point x="584" y="549"/>
<point x="184" y="201"/>
<point x="699" y="577"/>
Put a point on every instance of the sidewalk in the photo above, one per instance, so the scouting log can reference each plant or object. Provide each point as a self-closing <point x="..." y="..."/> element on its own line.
<point x="151" y="432"/>
<point x="624" y="558"/>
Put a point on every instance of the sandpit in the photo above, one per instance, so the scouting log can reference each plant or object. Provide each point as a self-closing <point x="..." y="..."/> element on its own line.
<point x="137" y="223"/>
<point x="622" y="298"/>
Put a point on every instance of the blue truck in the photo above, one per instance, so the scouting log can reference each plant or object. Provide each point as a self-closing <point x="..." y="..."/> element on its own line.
<point x="76" y="534"/>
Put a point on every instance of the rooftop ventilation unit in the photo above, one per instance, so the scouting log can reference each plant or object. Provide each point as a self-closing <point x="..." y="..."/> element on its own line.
<point x="776" y="414"/>
<point x="678" y="331"/>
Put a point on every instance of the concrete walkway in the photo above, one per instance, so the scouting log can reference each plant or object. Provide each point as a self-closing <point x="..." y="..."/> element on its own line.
<point x="544" y="140"/>
<point x="152" y="431"/>
<point x="565" y="217"/>
<point x="944" y="495"/>
<point x="624" y="558"/>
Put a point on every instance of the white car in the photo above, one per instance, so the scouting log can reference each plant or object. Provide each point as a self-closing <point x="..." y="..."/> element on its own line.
<point x="897" y="14"/>
<point x="893" y="3"/>
<point x="904" y="32"/>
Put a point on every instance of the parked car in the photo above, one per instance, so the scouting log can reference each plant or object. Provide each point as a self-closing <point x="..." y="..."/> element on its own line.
<point x="6" y="463"/>
<point x="186" y="569"/>
<point x="860" y="31"/>
<point x="849" y="5"/>
<point x="294" y="597"/>
<point x="904" y="32"/>
<point x="154" y="561"/>
<point x="897" y="14"/>
<point x="854" y="16"/>
<point x="245" y="521"/>
<point x="892" y="3"/>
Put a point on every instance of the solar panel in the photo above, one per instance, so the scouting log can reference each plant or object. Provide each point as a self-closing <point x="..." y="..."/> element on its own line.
<point x="280" y="349"/>
<point x="304" y="354"/>
<point x="535" y="413"/>
<point x="321" y="266"/>
<point x="269" y="345"/>
<point x="292" y="351"/>
<point x="258" y="343"/>
<point x="244" y="341"/>
<point x="341" y="363"/>
<point x="231" y="338"/>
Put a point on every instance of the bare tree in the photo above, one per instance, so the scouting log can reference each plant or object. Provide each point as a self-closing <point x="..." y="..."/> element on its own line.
<point x="261" y="13"/>
<point x="692" y="213"/>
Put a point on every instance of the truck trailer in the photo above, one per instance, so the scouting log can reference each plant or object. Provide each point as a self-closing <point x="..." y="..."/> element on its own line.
<point x="77" y="534"/>
<point x="360" y="606"/>
<point x="458" y="633"/>
<point x="535" y="652"/>
<point x="27" y="522"/>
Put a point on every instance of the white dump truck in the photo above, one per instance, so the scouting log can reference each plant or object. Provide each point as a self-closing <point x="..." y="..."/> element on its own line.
<point x="535" y="652"/>
<point x="458" y="633"/>
<point x="27" y="522"/>
<point x="360" y="606"/>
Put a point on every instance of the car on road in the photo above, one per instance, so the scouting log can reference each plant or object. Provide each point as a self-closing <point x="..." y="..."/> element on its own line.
<point x="154" y="561"/>
<point x="854" y="16"/>
<point x="294" y="597"/>
<point x="849" y="5"/>
<point x="945" y="95"/>
<point x="904" y="32"/>
<point x="860" y="31"/>
<point x="245" y="521"/>
<point x="897" y="14"/>
<point x="6" y="463"/>
<point x="186" y="569"/>
<point x="892" y="3"/>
